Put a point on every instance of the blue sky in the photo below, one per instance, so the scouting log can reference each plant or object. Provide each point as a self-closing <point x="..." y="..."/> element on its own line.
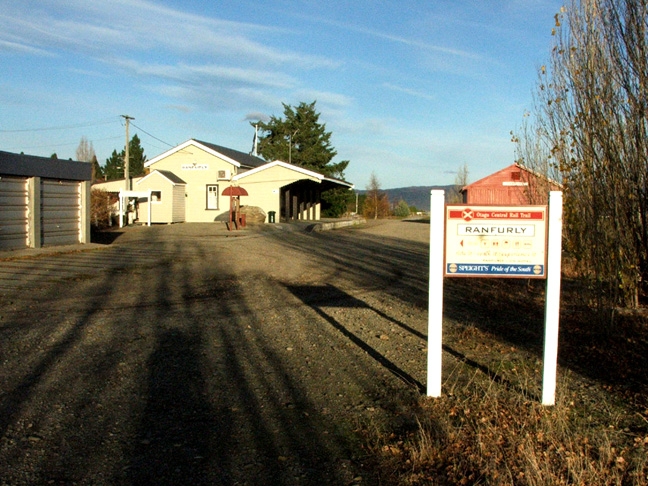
<point x="411" y="90"/>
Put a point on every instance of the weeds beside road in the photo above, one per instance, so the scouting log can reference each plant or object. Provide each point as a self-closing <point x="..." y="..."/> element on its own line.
<point x="188" y="355"/>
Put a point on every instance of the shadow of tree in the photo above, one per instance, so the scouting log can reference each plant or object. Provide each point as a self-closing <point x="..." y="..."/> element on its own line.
<point x="105" y="237"/>
<point x="157" y="376"/>
<point x="512" y="310"/>
<point x="178" y="430"/>
<point x="155" y="365"/>
<point x="317" y="296"/>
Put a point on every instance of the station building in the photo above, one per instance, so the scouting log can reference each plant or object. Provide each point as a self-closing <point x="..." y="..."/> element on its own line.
<point x="186" y="184"/>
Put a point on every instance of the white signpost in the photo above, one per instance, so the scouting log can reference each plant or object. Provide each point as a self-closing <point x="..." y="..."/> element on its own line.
<point x="435" y="306"/>
<point x="495" y="241"/>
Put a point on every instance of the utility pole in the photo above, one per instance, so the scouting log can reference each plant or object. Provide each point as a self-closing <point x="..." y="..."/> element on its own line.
<point x="290" y="137"/>
<point x="255" y="144"/>
<point x="127" y="155"/>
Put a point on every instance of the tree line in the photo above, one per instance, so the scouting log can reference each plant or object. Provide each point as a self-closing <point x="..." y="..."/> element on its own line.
<point x="589" y="130"/>
<point x="114" y="166"/>
<point x="298" y="138"/>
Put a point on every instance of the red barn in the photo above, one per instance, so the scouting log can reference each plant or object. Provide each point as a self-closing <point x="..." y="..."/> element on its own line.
<point x="514" y="185"/>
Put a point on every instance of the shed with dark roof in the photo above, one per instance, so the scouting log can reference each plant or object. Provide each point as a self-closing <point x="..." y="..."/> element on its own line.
<point x="43" y="201"/>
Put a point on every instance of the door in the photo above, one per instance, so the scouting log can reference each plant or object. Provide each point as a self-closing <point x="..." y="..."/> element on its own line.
<point x="14" y="227"/>
<point x="60" y="212"/>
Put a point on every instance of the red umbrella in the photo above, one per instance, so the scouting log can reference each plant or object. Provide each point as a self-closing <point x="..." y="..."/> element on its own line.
<point x="234" y="191"/>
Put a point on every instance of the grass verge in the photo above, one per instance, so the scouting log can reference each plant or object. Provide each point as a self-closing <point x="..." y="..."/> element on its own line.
<point x="489" y="427"/>
<point x="483" y="432"/>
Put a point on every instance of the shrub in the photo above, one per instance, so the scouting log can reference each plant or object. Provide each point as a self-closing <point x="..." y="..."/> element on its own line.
<point x="101" y="209"/>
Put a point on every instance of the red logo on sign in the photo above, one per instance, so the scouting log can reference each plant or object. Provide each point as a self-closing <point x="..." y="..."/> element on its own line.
<point x="467" y="214"/>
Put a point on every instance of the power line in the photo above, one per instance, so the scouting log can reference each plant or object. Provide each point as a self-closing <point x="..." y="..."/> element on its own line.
<point x="80" y="125"/>
<point x="67" y="144"/>
<point x="63" y="127"/>
<point x="152" y="136"/>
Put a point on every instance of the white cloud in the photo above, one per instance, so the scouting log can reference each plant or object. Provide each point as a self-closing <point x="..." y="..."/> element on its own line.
<point x="324" y="98"/>
<point x="180" y="108"/>
<point x="110" y="27"/>
<point x="409" y="91"/>
<point x="21" y="48"/>
<point x="195" y="74"/>
<point x="398" y="39"/>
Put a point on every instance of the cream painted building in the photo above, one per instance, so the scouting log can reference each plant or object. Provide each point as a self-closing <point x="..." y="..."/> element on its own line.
<point x="202" y="171"/>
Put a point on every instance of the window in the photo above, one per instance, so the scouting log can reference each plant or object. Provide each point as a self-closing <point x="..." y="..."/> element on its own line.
<point x="212" y="196"/>
<point x="156" y="196"/>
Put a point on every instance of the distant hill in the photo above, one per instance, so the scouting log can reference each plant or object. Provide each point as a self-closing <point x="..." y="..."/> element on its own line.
<point x="418" y="196"/>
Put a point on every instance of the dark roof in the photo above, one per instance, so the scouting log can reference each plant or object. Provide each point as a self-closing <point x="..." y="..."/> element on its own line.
<point x="46" y="167"/>
<point x="171" y="176"/>
<point x="246" y="160"/>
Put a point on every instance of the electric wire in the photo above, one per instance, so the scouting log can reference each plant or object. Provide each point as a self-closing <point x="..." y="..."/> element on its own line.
<point x="80" y="125"/>
<point x="62" y="127"/>
<point x="152" y="136"/>
<point x="67" y="144"/>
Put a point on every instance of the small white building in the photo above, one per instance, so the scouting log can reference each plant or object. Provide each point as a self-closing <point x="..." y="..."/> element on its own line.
<point x="167" y="197"/>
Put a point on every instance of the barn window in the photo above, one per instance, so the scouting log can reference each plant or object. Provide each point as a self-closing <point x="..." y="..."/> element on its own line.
<point x="515" y="176"/>
<point x="212" y="196"/>
<point x="156" y="196"/>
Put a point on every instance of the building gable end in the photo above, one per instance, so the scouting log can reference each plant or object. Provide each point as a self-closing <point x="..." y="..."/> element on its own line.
<point x="197" y="144"/>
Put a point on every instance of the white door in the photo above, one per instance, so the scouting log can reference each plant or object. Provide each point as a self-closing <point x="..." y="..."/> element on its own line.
<point x="212" y="197"/>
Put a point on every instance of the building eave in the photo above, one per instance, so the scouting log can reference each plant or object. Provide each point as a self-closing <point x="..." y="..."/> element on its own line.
<point x="195" y="143"/>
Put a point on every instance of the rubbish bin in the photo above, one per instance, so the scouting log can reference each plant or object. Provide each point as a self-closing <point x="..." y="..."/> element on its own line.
<point x="271" y="216"/>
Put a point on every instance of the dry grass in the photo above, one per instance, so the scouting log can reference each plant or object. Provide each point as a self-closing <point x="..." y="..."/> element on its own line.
<point x="489" y="427"/>
<point x="482" y="432"/>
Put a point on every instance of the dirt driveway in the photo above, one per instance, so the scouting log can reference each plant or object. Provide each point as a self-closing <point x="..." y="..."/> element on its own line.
<point x="185" y="354"/>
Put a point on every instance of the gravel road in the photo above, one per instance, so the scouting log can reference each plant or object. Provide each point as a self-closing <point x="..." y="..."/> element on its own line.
<point x="186" y="354"/>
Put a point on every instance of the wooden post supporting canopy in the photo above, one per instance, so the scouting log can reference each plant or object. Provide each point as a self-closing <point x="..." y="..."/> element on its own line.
<point x="235" y="193"/>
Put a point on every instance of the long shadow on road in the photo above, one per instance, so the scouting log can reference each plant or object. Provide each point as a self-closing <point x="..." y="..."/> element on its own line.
<point x="318" y="296"/>
<point x="177" y="427"/>
<point x="164" y="367"/>
<point x="512" y="310"/>
<point x="159" y="374"/>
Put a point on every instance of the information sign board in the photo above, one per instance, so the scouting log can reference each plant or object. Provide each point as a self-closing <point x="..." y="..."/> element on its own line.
<point x="496" y="241"/>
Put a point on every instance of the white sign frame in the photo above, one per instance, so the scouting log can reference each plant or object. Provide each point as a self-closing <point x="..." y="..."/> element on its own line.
<point x="435" y="295"/>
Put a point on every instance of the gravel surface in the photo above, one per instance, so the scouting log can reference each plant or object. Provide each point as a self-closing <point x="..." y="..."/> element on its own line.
<point x="186" y="354"/>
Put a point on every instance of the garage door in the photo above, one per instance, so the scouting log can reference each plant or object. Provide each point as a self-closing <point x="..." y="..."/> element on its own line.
<point x="60" y="212"/>
<point x="13" y="213"/>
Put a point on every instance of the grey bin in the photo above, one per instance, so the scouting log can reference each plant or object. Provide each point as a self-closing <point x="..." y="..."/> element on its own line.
<point x="271" y="216"/>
